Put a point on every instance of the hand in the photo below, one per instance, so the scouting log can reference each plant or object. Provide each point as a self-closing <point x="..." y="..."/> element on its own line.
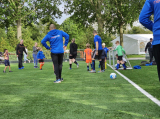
<point x="17" y="55"/>
<point x="70" y="55"/>
<point x="50" y="48"/>
<point x="96" y="52"/>
<point x="64" y="47"/>
<point x="84" y="58"/>
<point x="145" y="51"/>
<point x="38" y="59"/>
<point x="27" y="55"/>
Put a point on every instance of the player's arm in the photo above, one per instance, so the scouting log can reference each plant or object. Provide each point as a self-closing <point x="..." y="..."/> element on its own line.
<point x="146" y="47"/>
<point x="45" y="39"/>
<point x="145" y="14"/>
<point x="84" y="55"/>
<point x="123" y="51"/>
<point x="66" y="36"/>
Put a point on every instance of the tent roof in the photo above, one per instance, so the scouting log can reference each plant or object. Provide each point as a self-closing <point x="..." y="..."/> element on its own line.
<point x="144" y="37"/>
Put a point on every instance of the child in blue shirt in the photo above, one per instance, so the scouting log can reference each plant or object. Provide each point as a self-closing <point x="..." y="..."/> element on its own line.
<point x="40" y="57"/>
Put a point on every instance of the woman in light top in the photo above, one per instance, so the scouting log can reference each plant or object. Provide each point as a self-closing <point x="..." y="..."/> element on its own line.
<point x="35" y="51"/>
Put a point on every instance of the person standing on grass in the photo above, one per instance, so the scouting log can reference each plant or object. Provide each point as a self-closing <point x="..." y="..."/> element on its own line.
<point x="97" y="52"/>
<point x="6" y="60"/>
<point x="73" y="54"/>
<point x="120" y="52"/>
<point x="25" y="56"/>
<point x="35" y="51"/>
<point x="88" y="56"/>
<point x="150" y="49"/>
<point x="55" y="37"/>
<point x="40" y="57"/>
<point x="152" y="7"/>
<point x="19" y="51"/>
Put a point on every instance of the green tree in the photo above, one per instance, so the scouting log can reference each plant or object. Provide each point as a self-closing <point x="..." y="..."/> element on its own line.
<point x="138" y="30"/>
<point x="119" y="13"/>
<point x="27" y="11"/>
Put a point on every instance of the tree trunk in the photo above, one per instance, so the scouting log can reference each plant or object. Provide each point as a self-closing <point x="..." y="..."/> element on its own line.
<point x="19" y="33"/>
<point x="121" y="34"/>
<point x="100" y="26"/>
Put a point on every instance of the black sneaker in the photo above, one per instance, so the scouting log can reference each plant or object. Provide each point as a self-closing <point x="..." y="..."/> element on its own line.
<point x="87" y="69"/>
<point x="40" y="69"/>
<point x="4" y="71"/>
<point x="10" y="71"/>
<point x="61" y="79"/>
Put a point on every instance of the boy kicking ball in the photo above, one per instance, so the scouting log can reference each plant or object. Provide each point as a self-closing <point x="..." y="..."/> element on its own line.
<point x="6" y="60"/>
<point x="40" y="57"/>
<point x="120" y="52"/>
<point x="88" y="54"/>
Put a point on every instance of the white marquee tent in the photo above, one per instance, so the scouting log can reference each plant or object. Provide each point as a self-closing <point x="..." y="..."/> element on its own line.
<point x="134" y="43"/>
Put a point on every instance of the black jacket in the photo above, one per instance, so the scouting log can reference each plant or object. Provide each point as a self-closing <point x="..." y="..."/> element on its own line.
<point x="149" y="47"/>
<point x="73" y="48"/>
<point x="19" y="49"/>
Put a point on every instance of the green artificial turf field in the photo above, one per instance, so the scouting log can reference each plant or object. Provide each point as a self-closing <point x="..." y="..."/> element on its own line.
<point x="31" y="94"/>
<point x="146" y="78"/>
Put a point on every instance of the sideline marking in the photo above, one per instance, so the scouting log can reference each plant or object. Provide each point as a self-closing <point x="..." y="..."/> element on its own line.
<point x="155" y="100"/>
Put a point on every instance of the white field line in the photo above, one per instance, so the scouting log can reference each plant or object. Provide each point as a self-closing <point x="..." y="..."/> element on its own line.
<point x="139" y="88"/>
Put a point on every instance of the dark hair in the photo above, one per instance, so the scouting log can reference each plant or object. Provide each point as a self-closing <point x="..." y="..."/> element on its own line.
<point x="95" y="32"/>
<point x="5" y="50"/>
<point x="151" y="39"/>
<point x="117" y="55"/>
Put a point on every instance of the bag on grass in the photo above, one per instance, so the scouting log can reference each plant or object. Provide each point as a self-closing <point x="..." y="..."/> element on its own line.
<point x="136" y="67"/>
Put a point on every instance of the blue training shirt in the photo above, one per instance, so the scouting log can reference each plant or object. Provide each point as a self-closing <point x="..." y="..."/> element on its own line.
<point x="55" y="37"/>
<point x="151" y="7"/>
<point x="99" y="40"/>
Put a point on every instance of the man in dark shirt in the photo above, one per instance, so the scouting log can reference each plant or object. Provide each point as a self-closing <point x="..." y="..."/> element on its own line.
<point x="150" y="49"/>
<point x="19" y="51"/>
<point x="73" y="54"/>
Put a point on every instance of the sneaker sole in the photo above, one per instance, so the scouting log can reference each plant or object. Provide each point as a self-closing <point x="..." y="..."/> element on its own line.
<point x="58" y="82"/>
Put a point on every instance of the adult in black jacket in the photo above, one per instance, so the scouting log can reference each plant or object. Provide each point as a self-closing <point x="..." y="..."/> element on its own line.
<point x="150" y="49"/>
<point x="19" y="51"/>
<point x="73" y="54"/>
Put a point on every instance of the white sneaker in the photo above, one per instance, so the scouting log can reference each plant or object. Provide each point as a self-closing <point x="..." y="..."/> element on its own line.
<point x="77" y="65"/>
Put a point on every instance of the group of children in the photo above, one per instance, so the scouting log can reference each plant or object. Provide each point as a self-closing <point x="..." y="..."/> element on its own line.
<point x="120" y="59"/>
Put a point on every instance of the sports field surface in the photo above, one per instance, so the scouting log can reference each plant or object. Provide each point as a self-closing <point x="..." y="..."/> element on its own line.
<point x="31" y="94"/>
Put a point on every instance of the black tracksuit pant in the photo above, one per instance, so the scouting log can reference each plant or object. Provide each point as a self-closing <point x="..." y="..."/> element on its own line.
<point x="20" y="57"/>
<point x="156" y="54"/>
<point x="57" y="61"/>
<point x="151" y="56"/>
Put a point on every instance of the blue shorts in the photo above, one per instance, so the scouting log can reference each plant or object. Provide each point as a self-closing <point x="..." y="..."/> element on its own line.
<point x="7" y="63"/>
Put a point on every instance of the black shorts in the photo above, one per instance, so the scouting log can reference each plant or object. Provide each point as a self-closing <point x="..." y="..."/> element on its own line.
<point x="6" y="62"/>
<point x="94" y="56"/>
<point x="41" y="60"/>
<point x="120" y="58"/>
<point x="73" y="56"/>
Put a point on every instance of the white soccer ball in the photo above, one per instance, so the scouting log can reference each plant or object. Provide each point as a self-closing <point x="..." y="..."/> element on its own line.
<point x="113" y="76"/>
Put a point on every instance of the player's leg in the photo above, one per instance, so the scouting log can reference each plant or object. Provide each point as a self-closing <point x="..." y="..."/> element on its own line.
<point x="9" y="66"/>
<point x="100" y="60"/>
<point x="93" y="62"/>
<point x="87" y="65"/>
<point x="56" y="66"/>
<point x="156" y="52"/>
<point x="118" y="64"/>
<point x="70" y="62"/>
<point x="60" y="61"/>
<point x="122" y="62"/>
<point x="54" y="70"/>
<point x="4" y="71"/>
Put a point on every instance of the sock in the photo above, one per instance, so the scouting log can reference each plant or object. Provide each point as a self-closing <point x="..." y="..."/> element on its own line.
<point x="70" y="66"/>
<point x="118" y="66"/>
<point x="40" y="66"/>
<point x="88" y="67"/>
<point x="34" y="64"/>
<point x="76" y="62"/>
<point x="93" y="64"/>
<point x="124" y="66"/>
